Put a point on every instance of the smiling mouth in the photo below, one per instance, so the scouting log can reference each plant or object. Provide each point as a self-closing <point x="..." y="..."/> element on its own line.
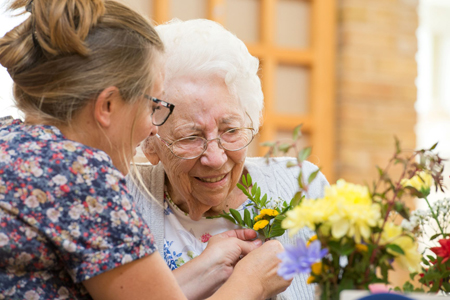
<point x="213" y="179"/>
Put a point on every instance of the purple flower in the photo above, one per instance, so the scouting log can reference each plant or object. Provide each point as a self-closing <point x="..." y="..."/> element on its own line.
<point x="298" y="259"/>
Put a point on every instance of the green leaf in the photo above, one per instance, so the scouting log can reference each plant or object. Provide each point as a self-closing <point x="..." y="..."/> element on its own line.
<point x="244" y="190"/>
<point x="258" y="195"/>
<point x="433" y="147"/>
<point x="412" y="275"/>
<point x="275" y="229"/>
<point x="304" y="154"/>
<point x="395" y="248"/>
<point x="268" y="144"/>
<point x="254" y="187"/>
<point x="300" y="179"/>
<point x="296" y="200"/>
<point x="313" y="176"/>
<point x="264" y="200"/>
<point x="297" y="132"/>
<point x="397" y="145"/>
<point x="237" y="216"/>
<point x="290" y="164"/>
<point x="284" y="147"/>
<point x="414" y="192"/>
<point x="434" y="236"/>
<point x="248" y="219"/>
<point x="244" y="180"/>
<point x="249" y="179"/>
<point x="408" y="287"/>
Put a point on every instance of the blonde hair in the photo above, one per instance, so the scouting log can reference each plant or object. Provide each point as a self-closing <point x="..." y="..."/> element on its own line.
<point x="68" y="51"/>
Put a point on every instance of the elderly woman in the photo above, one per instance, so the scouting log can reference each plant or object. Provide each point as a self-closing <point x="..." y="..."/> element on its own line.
<point x="200" y="154"/>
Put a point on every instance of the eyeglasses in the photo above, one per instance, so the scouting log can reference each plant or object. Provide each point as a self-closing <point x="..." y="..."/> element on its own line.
<point x="161" y="110"/>
<point x="193" y="146"/>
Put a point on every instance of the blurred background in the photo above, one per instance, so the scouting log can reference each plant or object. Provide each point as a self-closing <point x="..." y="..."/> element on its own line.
<point x="355" y="73"/>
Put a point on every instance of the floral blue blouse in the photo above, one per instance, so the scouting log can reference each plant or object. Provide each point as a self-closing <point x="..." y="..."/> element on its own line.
<point x="65" y="215"/>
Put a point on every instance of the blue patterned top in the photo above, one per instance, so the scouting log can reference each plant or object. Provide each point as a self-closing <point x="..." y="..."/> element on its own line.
<point x="65" y="215"/>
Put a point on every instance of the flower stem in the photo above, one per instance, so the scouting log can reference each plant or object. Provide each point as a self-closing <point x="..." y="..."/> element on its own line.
<point x="435" y="217"/>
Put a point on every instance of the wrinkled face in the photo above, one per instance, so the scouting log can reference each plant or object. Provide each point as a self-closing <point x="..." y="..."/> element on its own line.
<point x="203" y="107"/>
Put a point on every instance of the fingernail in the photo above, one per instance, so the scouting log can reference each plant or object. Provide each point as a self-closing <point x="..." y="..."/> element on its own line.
<point x="257" y="242"/>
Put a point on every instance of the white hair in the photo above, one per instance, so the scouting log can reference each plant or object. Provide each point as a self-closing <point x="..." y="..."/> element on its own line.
<point x="204" y="48"/>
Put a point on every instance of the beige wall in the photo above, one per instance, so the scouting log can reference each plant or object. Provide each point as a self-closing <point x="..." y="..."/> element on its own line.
<point x="376" y="90"/>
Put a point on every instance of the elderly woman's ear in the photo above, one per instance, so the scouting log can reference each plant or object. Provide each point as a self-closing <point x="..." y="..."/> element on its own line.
<point x="149" y="149"/>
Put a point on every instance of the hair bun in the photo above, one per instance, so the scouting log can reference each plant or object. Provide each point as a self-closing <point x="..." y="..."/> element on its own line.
<point x="61" y="26"/>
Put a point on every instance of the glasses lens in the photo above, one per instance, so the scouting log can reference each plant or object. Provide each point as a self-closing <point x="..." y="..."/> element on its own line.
<point x="236" y="138"/>
<point x="160" y="114"/>
<point x="189" y="147"/>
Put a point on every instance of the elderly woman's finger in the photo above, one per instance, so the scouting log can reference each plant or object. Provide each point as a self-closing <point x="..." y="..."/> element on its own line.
<point x="242" y="234"/>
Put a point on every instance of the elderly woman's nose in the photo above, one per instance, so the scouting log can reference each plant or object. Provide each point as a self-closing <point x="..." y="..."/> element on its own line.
<point x="214" y="156"/>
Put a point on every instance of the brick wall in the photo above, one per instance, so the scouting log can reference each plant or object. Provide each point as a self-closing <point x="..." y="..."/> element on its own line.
<point x="376" y="89"/>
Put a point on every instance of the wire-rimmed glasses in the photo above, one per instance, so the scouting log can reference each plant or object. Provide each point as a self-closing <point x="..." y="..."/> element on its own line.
<point x="161" y="110"/>
<point x="191" y="147"/>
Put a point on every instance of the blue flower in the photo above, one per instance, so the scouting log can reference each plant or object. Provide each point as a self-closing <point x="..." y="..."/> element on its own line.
<point x="298" y="259"/>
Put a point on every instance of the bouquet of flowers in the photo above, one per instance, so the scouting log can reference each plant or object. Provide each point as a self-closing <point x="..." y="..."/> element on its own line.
<point x="357" y="231"/>
<point x="431" y="229"/>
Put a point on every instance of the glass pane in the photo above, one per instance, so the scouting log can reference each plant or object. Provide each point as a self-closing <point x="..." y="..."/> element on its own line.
<point x="292" y="89"/>
<point x="293" y="23"/>
<point x="143" y="7"/>
<point x="188" y="9"/>
<point x="242" y="18"/>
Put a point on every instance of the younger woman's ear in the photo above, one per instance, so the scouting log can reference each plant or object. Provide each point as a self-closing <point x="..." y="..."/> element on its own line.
<point x="149" y="149"/>
<point x="106" y="103"/>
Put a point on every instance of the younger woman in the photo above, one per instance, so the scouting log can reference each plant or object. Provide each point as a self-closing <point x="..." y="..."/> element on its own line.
<point x="87" y="76"/>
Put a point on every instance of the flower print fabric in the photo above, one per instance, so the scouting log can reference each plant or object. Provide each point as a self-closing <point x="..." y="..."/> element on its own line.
<point x="65" y="215"/>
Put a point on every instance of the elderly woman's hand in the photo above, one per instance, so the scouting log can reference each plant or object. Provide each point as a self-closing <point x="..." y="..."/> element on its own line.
<point x="257" y="271"/>
<point x="202" y="276"/>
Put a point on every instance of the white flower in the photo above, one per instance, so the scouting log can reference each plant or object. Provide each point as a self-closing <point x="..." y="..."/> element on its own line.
<point x="59" y="179"/>
<point x="5" y="158"/>
<point x="36" y="171"/>
<point x="82" y="160"/>
<point x="94" y="205"/>
<point x="123" y="216"/>
<point x="63" y="293"/>
<point x="126" y="204"/>
<point x="127" y="258"/>
<point x="3" y="239"/>
<point x="111" y="179"/>
<point x="75" y="211"/>
<point x="32" y="201"/>
<point x="53" y="214"/>
<point x="30" y="233"/>
<point x="69" y="246"/>
<point x="32" y="295"/>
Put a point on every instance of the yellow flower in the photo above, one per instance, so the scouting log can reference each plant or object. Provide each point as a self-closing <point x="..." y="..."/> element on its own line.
<point x="310" y="279"/>
<point x="422" y="182"/>
<point x="412" y="258"/>
<point x="312" y="239"/>
<point x="345" y="210"/>
<point x="355" y="212"/>
<point x="361" y="248"/>
<point x="260" y="224"/>
<point x="316" y="268"/>
<point x="266" y="212"/>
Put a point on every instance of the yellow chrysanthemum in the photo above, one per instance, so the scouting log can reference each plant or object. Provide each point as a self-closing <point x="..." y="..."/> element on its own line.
<point x="260" y="224"/>
<point x="266" y="212"/>
<point x="422" y="181"/>
<point x="310" y="279"/>
<point x="312" y="239"/>
<point x="346" y="209"/>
